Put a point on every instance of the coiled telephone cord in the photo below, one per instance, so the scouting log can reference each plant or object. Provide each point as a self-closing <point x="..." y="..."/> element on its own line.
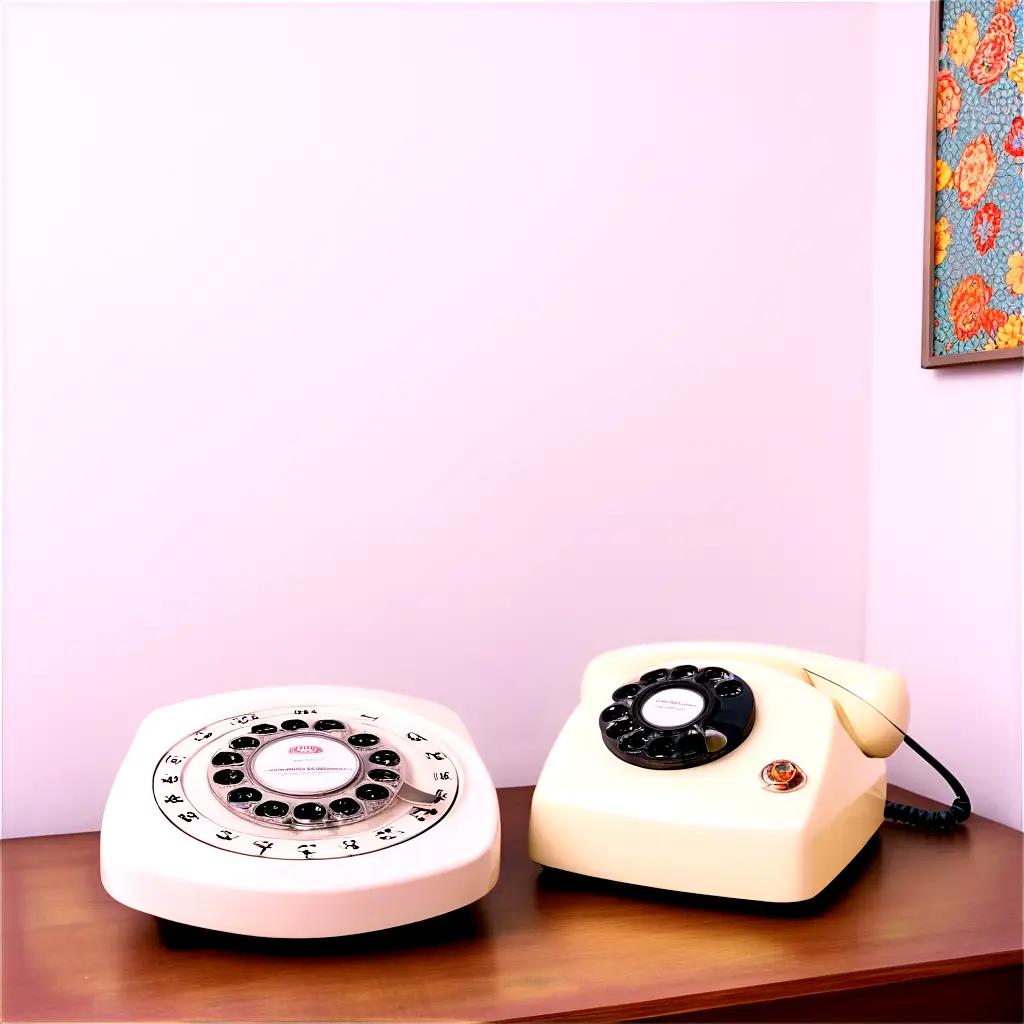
<point x="932" y="821"/>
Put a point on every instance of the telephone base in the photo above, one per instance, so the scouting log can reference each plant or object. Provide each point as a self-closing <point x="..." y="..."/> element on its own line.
<point x="572" y="881"/>
<point x="725" y="828"/>
<point x="733" y="864"/>
<point x="300" y="813"/>
<point x="305" y="914"/>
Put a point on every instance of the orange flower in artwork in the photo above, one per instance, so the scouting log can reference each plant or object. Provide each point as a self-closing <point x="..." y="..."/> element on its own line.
<point x="1015" y="275"/>
<point x="1006" y="5"/>
<point x="985" y="229"/>
<point x="975" y="171"/>
<point x="943" y="238"/>
<point x="947" y="101"/>
<point x="962" y="40"/>
<point x="992" y="56"/>
<point x="1011" y="334"/>
<point x="1002" y="22"/>
<point x="992" y="319"/>
<point x="966" y="305"/>
<point x="1016" y="73"/>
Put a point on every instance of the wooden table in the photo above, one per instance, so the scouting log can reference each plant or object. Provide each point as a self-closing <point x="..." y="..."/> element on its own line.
<point x="920" y="927"/>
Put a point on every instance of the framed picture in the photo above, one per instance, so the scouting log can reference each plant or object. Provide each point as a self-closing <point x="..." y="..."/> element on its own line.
<point x="974" y="267"/>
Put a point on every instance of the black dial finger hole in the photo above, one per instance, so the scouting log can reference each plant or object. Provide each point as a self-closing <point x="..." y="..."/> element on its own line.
<point x="364" y="739"/>
<point x="613" y="713"/>
<point x="620" y="728"/>
<point x="382" y="775"/>
<point x="328" y="725"/>
<point x="371" y="792"/>
<point x="226" y="757"/>
<point x="386" y="757"/>
<point x="242" y="742"/>
<point x="294" y="723"/>
<point x="264" y="727"/>
<point x="692" y="743"/>
<point x="244" y="795"/>
<point x="624" y="692"/>
<point x="654" y="675"/>
<point x="711" y="674"/>
<point x="309" y="812"/>
<point x="228" y="777"/>
<point x="636" y="740"/>
<point x="729" y="688"/>
<point x="661" y="747"/>
<point x="272" y="809"/>
<point x="346" y="807"/>
<point x="683" y="671"/>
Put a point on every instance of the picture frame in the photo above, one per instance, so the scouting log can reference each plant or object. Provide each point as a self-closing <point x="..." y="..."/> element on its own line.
<point x="957" y="332"/>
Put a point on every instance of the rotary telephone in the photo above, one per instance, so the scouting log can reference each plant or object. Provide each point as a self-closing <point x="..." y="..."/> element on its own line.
<point x="300" y="812"/>
<point x="732" y="770"/>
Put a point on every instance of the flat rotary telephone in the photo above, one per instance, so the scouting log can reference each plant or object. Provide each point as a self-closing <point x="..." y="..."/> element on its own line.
<point x="726" y="769"/>
<point x="300" y="812"/>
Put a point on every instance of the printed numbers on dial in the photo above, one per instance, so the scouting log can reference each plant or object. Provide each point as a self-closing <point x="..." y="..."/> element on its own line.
<point x="219" y="754"/>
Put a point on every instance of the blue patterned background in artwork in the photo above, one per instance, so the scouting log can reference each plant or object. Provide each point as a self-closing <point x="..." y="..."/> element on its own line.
<point x="982" y="113"/>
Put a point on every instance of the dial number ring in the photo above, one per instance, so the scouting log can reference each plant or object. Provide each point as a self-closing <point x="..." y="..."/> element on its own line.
<point x="392" y="806"/>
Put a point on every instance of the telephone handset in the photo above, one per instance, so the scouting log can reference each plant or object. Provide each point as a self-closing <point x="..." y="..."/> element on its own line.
<point x="300" y="812"/>
<point x="685" y="763"/>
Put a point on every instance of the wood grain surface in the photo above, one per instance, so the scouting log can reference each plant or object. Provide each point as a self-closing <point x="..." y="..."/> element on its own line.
<point x="913" y="909"/>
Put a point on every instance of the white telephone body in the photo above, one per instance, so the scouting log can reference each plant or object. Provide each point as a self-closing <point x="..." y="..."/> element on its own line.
<point x="300" y="812"/>
<point x="725" y="769"/>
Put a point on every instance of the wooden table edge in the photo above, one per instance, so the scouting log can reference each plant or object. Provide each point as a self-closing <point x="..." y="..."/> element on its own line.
<point x="756" y="994"/>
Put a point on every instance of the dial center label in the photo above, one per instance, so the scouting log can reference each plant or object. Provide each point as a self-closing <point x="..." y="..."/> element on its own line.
<point x="673" y="708"/>
<point x="304" y="766"/>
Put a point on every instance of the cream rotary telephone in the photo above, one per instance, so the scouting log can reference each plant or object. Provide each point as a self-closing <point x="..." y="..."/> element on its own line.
<point x="300" y="812"/>
<point x="725" y="769"/>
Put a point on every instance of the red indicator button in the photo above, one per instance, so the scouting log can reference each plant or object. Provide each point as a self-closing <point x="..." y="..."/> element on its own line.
<point x="782" y="776"/>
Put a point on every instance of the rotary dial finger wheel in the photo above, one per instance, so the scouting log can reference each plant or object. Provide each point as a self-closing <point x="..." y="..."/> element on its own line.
<point x="304" y="783"/>
<point x="678" y="717"/>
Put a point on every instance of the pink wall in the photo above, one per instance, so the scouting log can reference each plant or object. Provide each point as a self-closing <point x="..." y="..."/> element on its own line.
<point x="944" y="585"/>
<point x="433" y="348"/>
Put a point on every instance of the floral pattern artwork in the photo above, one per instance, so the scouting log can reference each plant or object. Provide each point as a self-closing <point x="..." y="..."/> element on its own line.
<point x="979" y="178"/>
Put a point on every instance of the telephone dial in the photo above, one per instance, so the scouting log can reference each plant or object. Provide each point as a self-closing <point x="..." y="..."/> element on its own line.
<point x="300" y="812"/>
<point x="732" y="770"/>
